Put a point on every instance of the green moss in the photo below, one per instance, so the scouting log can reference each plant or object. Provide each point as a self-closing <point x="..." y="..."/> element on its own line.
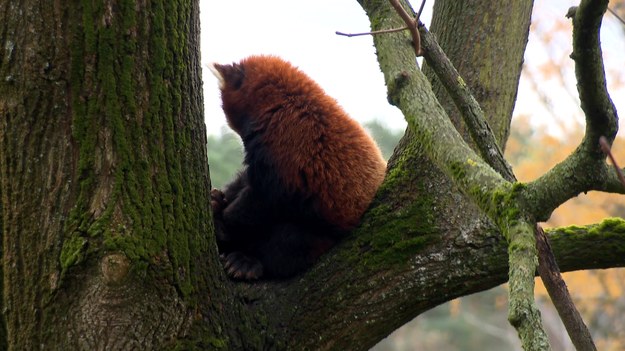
<point x="395" y="175"/>
<point x="569" y="230"/>
<point x="147" y="213"/>
<point x="204" y="343"/>
<point x="458" y="171"/>
<point x="504" y="207"/>
<point x="402" y="213"/>
<point x="609" y="225"/>
<point x="607" y="235"/>
<point x="73" y="252"/>
<point x="398" y="236"/>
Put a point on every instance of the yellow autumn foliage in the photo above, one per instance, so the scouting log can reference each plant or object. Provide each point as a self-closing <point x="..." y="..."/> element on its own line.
<point x="598" y="294"/>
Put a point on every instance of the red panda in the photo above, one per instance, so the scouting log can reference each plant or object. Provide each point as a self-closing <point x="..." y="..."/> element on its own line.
<point x="309" y="174"/>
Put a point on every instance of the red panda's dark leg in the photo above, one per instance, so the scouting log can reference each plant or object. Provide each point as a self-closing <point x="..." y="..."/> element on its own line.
<point x="220" y="199"/>
<point x="290" y="248"/>
<point x="245" y="215"/>
<point x="293" y="247"/>
<point x="239" y="265"/>
<point x="238" y="211"/>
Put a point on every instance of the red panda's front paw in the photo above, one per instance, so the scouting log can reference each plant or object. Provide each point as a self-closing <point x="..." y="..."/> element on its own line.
<point x="218" y="201"/>
<point x="240" y="266"/>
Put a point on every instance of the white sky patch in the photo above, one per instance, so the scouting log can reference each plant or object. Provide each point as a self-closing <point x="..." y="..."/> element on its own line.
<point x="565" y="113"/>
<point x="303" y="32"/>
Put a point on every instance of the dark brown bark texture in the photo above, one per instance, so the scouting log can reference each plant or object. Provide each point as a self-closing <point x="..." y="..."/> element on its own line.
<point x="485" y="42"/>
<point x="106" y="217"/>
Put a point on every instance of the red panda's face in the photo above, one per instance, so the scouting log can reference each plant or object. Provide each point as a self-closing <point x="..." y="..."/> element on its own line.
<point x="233" y="94"/>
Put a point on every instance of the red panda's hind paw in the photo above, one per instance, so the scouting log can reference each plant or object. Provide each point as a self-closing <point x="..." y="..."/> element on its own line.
<point x="218" y="201"/>
<point x="240" y="266"/>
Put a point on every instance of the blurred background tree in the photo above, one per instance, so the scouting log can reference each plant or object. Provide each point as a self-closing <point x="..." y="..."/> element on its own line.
<point x="225" y="151"/>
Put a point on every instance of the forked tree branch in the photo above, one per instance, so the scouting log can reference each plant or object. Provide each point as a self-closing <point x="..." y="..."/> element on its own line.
<point x="470" y="109"/>
<point x="557" y="186"/>
<point x="444" y="145"/>
<point x="491" y="153"/>
<point x="485" y="141"/>
<point x="411" y="23"/>
<point x="484" y="138"/>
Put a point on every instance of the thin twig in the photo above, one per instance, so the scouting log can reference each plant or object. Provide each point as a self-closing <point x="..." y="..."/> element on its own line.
<point x="556" y="287"/>
<point x="420" y="11"/>
<point x="616" y="15"/>
<point x="383" y="31"/>
<point x="605" y="147"/>
<point x="411" y="23"/>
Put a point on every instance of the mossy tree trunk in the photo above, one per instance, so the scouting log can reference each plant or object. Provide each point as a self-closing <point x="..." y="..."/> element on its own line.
<point x="485" y="42"/>
<point x="107" y="242"/>
<point x="107" y="231"/>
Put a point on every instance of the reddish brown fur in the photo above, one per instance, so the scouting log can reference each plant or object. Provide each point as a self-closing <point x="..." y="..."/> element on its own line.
<point x="308" y="133"/>
<point x="309" y="173"/>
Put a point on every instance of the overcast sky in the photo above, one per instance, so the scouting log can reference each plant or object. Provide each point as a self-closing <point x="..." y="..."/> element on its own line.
<point x="303" y="32"/>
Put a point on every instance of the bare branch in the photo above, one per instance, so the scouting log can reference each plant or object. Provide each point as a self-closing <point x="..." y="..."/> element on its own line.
<point x="411" y="24"/>
<point x="605" y="147"/>
<point x="616" y="15"/>
<point x="601" y="117"/>
<point x="559" y="293"/>
<point x="470" y="109"/>
<point x="383" y="31"/>
<point x="558" y="185"/>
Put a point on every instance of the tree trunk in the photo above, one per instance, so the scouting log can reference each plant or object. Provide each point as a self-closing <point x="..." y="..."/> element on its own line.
<point x="107" y="236"/>
<point x="3" y="328"/>
<point x="485" y="41"/>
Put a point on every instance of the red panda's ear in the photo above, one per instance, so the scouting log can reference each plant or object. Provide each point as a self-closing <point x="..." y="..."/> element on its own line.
<point x="229" y="76"/>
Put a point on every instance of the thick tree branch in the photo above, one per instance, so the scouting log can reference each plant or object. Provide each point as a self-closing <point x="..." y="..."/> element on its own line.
<point x="470" y="109"/>
<point x="485" y="141"/>
<point x="409" y="90"/>
<point x="613" y="182"/>
<point x="601" y="116"/>
<point x="576" y="174"/>
<point x="595" y="246"/>
<point x="344" y="312"/>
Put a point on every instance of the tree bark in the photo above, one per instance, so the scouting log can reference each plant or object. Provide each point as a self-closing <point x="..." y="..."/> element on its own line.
<point x="3" y="328"/>
<point x="485" y="42"/>
<point x="107" y="236"/>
